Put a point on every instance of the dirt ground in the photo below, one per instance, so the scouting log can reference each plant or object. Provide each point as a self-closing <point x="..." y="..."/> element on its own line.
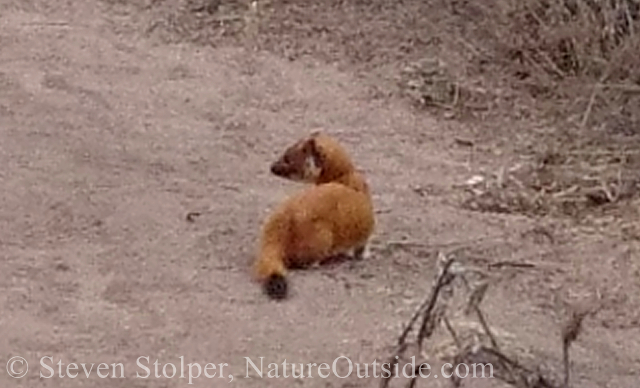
<point x="111" y="135"/>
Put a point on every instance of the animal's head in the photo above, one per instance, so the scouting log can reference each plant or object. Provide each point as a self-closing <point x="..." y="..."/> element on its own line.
<point x="300" y="162"/>
<point x="318" y="158"/>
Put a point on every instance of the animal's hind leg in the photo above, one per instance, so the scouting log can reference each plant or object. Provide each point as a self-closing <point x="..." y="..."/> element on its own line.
<point x="362" y="252"/>
<point x="313" y="247"/>
<point x="357" y="253"/>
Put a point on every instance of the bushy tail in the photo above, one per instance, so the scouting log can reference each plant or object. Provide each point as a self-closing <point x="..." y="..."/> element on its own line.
<point x="270" y="268"/>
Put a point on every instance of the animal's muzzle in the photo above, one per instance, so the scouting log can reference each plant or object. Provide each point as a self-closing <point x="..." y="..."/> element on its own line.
<point x="277" y="169"/>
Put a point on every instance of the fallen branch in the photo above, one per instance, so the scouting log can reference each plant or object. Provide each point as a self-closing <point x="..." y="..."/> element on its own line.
<point x="507" y="369"/>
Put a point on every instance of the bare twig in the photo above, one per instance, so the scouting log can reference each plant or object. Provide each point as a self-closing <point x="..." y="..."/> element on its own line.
<point x="521" y="377"/>
<point x="452" y="331"/>
<point x="428" y="305"/>
<point x="570" y="333"/>
<point x="191" y="216"/>
<point x="492" y="338"/>
<point x="463" y="142"/>
<point x="592" y="100"/>
<point x="448" y="244"/>
<point x="428" y="318"/>
<point x="514" y="264"/>
<point x="623" y="87"/>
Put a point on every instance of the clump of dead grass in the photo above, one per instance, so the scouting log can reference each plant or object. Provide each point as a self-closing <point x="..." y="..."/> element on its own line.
<point x="573" y="179"/>
<point x="578" y="62"/>
<point x="579" y="56"/>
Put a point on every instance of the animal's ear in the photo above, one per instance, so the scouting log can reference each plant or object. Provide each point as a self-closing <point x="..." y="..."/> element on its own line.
<point x="315" y="132"/>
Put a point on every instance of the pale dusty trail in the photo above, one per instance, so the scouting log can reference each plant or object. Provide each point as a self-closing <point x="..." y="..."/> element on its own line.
<point x="109" y="140"/>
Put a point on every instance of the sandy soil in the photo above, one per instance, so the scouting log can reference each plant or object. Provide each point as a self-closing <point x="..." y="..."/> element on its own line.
<point x="110" y="137"/>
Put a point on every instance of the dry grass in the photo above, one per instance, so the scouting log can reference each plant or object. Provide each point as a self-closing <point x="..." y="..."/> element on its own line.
<point x="565" y="182"/>
<point x="580" y="54"/>
<point x="578" y="62"/>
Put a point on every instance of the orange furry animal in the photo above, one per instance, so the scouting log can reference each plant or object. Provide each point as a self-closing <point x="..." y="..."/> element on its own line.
<point x="331" y="218"/>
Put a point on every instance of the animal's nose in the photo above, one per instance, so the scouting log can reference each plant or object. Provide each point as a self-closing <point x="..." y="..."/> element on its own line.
<point x="275" y="168"/>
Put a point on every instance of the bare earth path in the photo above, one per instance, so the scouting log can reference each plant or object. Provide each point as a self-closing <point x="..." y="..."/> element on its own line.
<point x="108" y="140"/>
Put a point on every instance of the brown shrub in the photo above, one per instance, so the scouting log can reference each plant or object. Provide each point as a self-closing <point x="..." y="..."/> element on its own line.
<point x="570" y="50"/>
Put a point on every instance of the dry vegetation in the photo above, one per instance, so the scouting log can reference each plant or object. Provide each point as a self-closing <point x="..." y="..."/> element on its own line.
<point x="578" y="62"/>
<point x="581" y="54"/>
<point x="454" y="306"/>
<point x="563" y="72"/>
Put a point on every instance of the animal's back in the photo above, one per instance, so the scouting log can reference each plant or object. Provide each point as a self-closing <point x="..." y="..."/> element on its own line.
<point x="332" y="208"/>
